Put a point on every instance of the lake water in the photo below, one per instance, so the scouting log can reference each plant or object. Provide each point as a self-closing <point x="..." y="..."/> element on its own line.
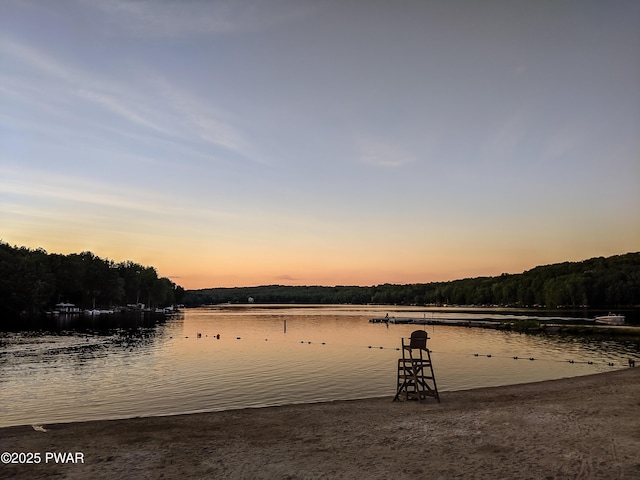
<point x="109" y="367"/>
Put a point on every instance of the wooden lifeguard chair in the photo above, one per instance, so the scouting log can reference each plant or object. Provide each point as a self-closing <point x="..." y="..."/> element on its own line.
<point x="416" y="380"/>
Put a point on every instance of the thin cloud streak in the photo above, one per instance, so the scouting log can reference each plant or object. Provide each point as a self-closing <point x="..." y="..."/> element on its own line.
<point x="35" y="59"/>
<point x="112" y="105"/>
<point x="51" y="187"/>
<point x="197" y="18"/>
<point x="200" y="115"/>
<point x="133" y="103"/>
<point x="383" y="155"/>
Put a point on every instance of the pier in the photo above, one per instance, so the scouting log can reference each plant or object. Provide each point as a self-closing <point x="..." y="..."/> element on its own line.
<point x="528" y="324"/>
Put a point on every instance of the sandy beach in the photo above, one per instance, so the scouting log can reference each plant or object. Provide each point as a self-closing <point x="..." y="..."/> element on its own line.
<point x="577" y="428"/>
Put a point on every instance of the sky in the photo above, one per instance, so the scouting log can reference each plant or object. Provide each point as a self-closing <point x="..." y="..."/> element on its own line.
<point x="324" y="142"/>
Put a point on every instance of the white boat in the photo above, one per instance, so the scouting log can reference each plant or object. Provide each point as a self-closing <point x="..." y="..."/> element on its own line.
<point x="611" y="319"/>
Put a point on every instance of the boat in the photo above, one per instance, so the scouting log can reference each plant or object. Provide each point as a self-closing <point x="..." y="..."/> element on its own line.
<point x="611" y="319"/>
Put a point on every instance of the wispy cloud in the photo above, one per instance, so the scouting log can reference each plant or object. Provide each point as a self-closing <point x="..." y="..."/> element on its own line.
<point x="49" y="186"/>
<point x="506" y="139"/>
<point x="34" y="58"/>
<point x="76" y="190"/>
<point x="286" y="278"/>
<point x="114" y="106"/>
<point x="169" y="18"/>
<point x="559" y="145"/>
<point x="209" y="123"/>
<point x="156" y="108"/>
<point x="383" y="155"/>
<point x="70" y="84"/>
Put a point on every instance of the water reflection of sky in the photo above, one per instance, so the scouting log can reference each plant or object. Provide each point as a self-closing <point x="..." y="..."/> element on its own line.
<point x="113" y="371"/>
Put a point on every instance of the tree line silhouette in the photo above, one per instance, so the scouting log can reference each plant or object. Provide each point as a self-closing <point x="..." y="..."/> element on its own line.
<point x="596" y="283"/>
<point x="33" y="281"/>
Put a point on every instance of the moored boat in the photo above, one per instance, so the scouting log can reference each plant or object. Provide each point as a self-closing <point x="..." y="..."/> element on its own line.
<point x="611" y="319"/>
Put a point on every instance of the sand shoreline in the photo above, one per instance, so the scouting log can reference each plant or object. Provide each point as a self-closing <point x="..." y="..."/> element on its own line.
<point x="581" y="427"/>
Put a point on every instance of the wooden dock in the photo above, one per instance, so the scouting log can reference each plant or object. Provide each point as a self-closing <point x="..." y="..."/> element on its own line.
<point x="536" y="324"/>
<point x="437" y="321"/>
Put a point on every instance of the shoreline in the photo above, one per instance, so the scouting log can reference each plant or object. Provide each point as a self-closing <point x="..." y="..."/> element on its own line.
<point x="579" y="427"/>
<point x="284" y="405"/>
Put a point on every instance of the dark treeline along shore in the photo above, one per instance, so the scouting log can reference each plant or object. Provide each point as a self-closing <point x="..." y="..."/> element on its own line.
<point x="34" y="281"/>
<point x="612" y="282"/>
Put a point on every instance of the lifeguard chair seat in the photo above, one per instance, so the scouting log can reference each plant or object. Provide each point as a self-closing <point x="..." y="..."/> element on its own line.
<point x="418" y="340"/>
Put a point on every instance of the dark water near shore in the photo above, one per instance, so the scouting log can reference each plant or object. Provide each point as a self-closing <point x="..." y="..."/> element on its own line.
<point x="71" y="369"/>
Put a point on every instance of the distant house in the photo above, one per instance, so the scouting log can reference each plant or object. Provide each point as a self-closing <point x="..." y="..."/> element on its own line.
<point x="67" y="308"/>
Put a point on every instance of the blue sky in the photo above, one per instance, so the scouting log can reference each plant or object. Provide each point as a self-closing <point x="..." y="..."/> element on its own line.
<point x="324" y="142"/>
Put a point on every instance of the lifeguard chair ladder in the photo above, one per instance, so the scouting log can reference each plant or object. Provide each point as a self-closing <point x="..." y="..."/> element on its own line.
<point x="416" y="380"/>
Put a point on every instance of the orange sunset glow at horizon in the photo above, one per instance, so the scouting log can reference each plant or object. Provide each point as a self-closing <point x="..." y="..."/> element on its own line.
<point x="315" y="143"/>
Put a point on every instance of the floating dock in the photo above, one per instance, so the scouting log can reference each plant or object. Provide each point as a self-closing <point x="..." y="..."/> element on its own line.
<point x="530" y="324"/>
<point x="488" y="323"/>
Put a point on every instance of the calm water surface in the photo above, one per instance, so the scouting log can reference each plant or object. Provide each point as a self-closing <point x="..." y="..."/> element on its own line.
<point x="107" y="368"/>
